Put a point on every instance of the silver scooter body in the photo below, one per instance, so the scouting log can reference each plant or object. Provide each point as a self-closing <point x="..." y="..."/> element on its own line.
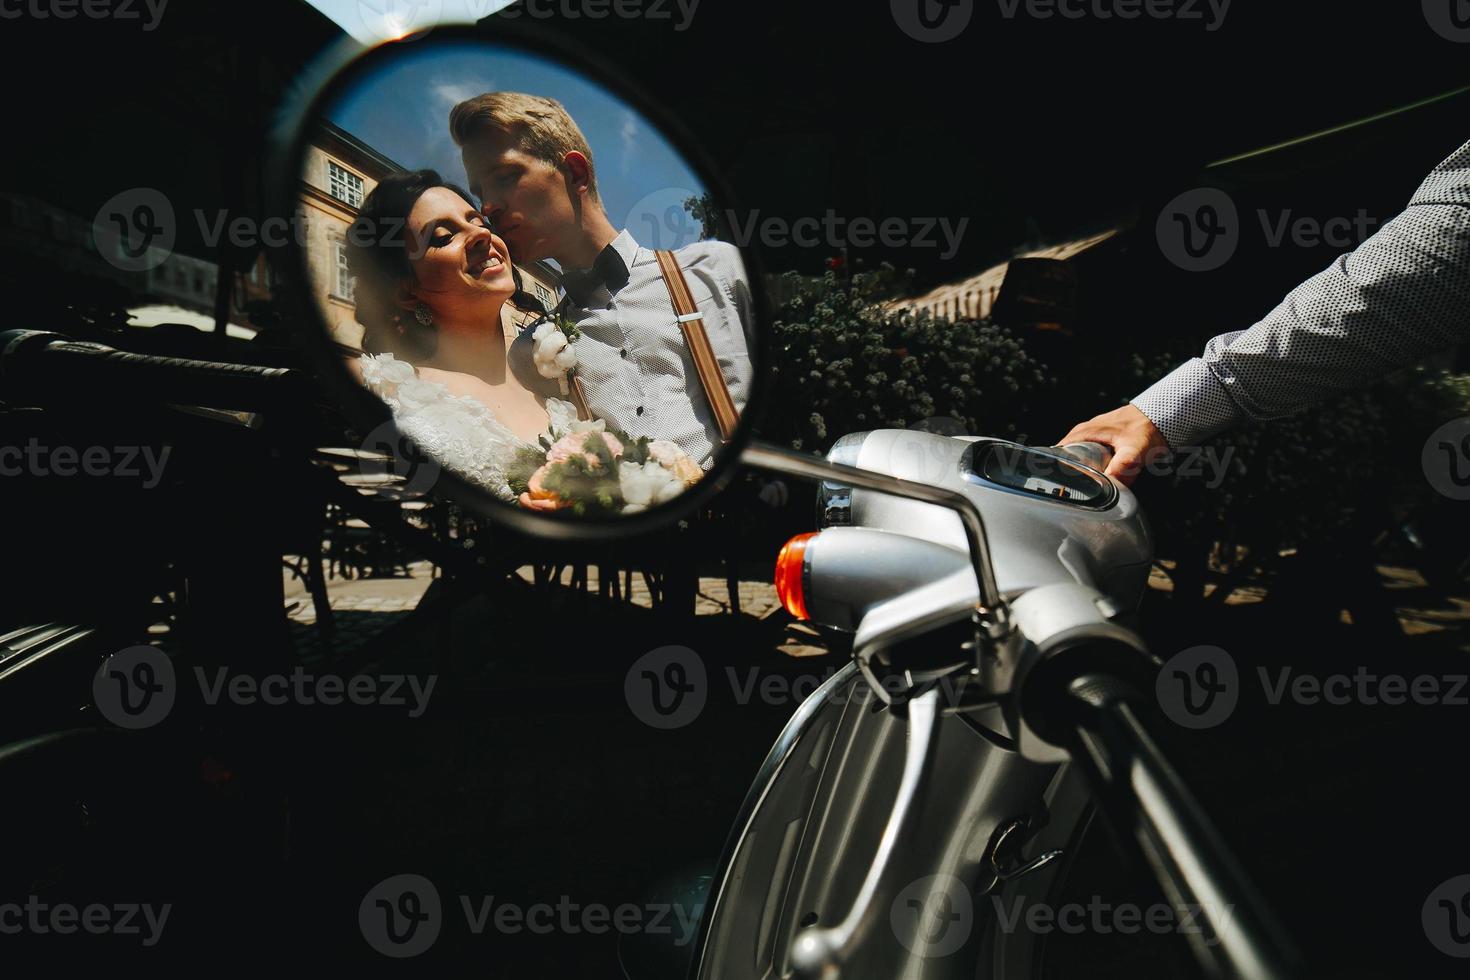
<point x="998" y="814"/>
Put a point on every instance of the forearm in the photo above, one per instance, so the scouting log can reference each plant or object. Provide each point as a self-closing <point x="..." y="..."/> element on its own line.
<point x="1404" y="293"/>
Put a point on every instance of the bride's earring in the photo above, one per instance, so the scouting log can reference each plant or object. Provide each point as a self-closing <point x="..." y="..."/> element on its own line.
<point x="423" y="315"/>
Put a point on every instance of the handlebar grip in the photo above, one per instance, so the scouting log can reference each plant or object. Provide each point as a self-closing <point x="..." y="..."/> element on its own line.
<point x="44" y="365"/>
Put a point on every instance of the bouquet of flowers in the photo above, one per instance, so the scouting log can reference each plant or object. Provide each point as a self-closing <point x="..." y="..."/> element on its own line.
<point x="587" y="468"/>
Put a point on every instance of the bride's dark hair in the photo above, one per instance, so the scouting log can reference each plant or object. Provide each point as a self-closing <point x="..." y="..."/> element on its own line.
<point x="377" y="254"/>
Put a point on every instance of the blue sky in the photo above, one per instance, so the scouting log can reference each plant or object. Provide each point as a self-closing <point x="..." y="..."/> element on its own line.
<point x="403" y="112"/>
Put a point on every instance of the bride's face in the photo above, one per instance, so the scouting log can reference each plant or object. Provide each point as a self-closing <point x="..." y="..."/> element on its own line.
<point x="463" y="269"/>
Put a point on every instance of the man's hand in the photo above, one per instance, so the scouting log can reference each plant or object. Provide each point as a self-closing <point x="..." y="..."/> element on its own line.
<point x="1134" y="439"/>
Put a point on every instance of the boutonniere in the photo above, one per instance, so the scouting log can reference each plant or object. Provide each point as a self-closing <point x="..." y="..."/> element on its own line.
<point x="552" y="350"/>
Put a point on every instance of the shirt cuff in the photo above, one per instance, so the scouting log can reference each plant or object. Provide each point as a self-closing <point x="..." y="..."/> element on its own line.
<point x="1189" y="405"/>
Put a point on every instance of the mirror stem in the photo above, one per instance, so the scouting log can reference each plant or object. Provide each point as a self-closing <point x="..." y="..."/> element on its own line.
<point x="992" y="610"/>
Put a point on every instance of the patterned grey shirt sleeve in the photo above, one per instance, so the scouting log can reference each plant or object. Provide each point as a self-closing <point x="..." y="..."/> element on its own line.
<point x="1400" y="295"/>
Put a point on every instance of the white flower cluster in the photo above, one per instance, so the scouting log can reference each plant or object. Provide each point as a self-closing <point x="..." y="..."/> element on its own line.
<point x="553" y="353"/>
<point x="647" y="484"/>
<point x="667" y="473"/>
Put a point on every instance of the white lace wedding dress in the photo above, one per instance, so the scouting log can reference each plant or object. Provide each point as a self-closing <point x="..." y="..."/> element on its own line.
<point x="456" y="431"/>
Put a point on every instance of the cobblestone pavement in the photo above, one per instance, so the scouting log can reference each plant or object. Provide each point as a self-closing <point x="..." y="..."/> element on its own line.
<point x="363" y="608"/>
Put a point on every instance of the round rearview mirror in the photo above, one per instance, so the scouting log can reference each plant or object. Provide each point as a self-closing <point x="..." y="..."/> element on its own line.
<point x="508" y="271"/>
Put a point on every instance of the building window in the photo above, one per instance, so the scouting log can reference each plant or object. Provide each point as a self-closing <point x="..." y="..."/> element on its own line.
<point x="344" y="185"/>
<point x="343" y="284"/>
<point x="544" y="295"/>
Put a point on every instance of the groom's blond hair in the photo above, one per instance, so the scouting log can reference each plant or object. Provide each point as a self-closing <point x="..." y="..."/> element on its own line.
<point x="541" y="127"/>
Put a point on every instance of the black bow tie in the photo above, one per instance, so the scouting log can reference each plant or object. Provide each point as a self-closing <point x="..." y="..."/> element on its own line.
<point x="608" y="270"/>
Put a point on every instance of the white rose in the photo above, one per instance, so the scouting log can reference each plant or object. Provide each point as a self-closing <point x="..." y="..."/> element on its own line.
<point x="665" y="451"/>
<point x="636" y="484"/>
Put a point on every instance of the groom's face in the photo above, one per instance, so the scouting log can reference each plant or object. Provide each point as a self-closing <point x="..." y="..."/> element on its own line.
<point x="527" y="200"/>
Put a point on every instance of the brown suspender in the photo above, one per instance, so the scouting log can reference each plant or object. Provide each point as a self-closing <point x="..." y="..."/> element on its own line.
<point x="691" y="321"/>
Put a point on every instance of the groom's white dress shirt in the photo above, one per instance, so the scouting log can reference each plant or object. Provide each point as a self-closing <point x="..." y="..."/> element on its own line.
<point x="634" y="365"/>
<point x="1400" y="295"/>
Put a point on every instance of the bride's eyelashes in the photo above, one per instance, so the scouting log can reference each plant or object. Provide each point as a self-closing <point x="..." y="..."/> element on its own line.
<point x="442" y="237"/>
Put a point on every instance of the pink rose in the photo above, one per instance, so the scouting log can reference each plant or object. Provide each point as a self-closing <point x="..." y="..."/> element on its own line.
<point x="568" y="446"/>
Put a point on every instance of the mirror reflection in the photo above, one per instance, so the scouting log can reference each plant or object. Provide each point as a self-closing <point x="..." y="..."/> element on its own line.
<point x="507" y="255"/>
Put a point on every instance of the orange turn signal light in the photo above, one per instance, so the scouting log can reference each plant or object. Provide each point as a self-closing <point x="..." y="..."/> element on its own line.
<point x="790" y="582"/>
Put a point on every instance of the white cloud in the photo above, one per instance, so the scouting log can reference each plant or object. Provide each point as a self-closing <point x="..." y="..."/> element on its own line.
<point x="629" y="136"/>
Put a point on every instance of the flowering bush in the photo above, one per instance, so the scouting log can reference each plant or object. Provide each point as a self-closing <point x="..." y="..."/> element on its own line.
<point x="846" y="361"/>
